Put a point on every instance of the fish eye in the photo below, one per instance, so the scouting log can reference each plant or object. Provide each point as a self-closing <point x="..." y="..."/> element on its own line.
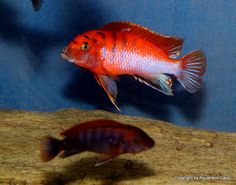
<point x="84" y="46"/>
<point x="139" y="139"/>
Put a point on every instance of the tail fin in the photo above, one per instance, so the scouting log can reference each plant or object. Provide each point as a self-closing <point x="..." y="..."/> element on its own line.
<point x="193" y="67"/>
<point x="50" y="147"/>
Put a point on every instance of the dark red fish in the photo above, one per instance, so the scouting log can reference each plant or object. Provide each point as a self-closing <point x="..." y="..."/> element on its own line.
<point x="101" y="136"/>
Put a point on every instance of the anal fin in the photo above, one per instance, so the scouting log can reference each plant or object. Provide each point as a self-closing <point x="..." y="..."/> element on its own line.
<point x="161" y="83"/>
<point x="104" y="160"/>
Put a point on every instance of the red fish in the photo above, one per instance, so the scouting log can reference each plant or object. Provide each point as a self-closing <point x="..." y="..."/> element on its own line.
<point x="123" y="48"/>
<point x="101" y="136"/>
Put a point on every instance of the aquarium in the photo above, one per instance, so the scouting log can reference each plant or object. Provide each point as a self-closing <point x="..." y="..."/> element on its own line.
<point x="163" y="67"/>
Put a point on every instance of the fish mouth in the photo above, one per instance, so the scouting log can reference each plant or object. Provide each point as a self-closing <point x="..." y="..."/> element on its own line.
<point x="151" y="144"/>
<point x="66" y="56"/>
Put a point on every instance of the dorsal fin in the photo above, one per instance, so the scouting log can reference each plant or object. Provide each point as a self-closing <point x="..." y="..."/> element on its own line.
<point x="89" y="124"/>
<point x="170" y="45"/>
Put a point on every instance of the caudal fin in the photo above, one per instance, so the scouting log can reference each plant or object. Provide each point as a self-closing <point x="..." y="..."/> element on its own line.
<point x="50" y="147"/>
<point x="193" y="67"/>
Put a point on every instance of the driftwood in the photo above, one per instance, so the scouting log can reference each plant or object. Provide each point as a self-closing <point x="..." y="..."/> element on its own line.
<point x="181" y="155"/>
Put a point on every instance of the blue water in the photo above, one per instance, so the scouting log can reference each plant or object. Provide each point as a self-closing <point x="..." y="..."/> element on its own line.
<point x="33" y="76"/>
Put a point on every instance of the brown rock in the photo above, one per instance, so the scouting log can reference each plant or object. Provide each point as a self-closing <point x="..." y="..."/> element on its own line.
<point x="181" y="155"/>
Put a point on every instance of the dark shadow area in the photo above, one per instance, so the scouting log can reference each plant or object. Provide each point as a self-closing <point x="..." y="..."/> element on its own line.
<point x="36" y="42"/>
<point x="109" y="174"/>
<point x="191" y="105"/>
<point x="158" y="105"/>
<point x="9" y="28"/>
<point x="83" y="87"/>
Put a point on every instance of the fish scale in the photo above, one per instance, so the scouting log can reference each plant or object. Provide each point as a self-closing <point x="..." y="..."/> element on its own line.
<point x="101" y="136"/>
<point x="124" y="48"/>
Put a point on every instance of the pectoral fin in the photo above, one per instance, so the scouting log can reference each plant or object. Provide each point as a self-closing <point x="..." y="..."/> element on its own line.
<point x="109" y="85"/>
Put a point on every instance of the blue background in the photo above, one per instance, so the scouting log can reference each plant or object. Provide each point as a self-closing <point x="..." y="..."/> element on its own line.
<point x="33" y="76"/>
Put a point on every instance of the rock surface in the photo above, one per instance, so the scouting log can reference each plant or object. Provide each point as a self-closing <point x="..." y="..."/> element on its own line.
<point x="181" y="155"/>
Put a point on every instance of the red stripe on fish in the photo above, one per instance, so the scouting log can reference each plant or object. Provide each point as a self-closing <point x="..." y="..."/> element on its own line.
<point x="124" y="48"/>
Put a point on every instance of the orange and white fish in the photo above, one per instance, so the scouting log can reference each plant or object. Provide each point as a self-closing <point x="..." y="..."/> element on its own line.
<point x="123" y="48"/>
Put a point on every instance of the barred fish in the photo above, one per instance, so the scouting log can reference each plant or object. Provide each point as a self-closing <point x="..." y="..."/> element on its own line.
<point x="106" y="137"/>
